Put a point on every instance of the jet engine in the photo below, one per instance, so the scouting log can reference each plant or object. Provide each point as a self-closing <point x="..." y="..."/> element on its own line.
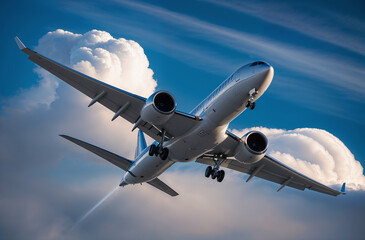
<point x="159" y="108"/>
<point x="252" y="147"/>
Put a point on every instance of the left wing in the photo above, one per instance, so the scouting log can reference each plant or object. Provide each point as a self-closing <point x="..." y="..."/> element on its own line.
<point x="267" y="168"/>
<point x="122" y="103"/>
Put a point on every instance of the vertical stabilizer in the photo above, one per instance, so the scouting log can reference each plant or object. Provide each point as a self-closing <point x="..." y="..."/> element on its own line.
<point x="141" y="144"/>
<point x="343" y="188"/>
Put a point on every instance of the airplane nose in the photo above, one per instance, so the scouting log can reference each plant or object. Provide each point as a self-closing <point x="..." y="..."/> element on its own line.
<point x="264" y="75"/>
<point x="269" y="74"/>
<point x="259" y="64"/>
<point x="264" y="66"/>
<point x="260" y="67"/>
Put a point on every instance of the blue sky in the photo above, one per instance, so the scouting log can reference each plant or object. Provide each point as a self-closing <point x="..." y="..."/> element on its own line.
<point x="180" y="54"/>
<point x="317" y="49"/>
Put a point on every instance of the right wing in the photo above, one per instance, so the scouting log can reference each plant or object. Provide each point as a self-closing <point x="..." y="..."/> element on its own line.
<point x="121" y="162"/>
<point x="267" y="168"/>
<point x="122" y="103"/>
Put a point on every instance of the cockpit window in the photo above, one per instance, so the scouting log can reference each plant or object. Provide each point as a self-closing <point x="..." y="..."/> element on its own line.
<point x="257" y="63"/>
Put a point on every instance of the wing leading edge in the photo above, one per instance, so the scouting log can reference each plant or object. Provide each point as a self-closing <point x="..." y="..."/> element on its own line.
<point x="269" y="169"/>
<point x="122" y="103"/>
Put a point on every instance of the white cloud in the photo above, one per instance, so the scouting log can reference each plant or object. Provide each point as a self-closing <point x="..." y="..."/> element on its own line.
<point x="118" y="62"/>
<point x="316" y="153"/>
<point x="36" y="116"/>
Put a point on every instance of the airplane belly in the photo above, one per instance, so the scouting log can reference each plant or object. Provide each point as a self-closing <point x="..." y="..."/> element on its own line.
<point x="147" y="168"/>
<point x="200" y="141"/>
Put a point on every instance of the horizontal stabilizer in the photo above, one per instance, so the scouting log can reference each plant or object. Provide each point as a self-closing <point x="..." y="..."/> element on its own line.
<point x="117" y="160"/>
<point x="121" y="162"/>
<point x="157" y="183"/>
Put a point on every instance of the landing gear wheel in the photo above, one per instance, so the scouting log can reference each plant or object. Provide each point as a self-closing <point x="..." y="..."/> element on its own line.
<point x="208" y="171"/>
<point x="214" y="175"/>
<point x="164" y="153"/>
<point x="220" y="176"/>
<point x="253" y="105"/>
<point x="153" y="150"/>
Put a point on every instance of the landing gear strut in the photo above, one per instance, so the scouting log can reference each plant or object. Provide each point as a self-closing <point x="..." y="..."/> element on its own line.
<point x="159" y="150"/>
<point x="214" y="172"/>
<point x="251" y="104"/>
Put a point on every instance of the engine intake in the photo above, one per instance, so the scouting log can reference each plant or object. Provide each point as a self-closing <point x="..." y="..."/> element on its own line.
<point x="256" y="142"/>
<point x="159" y="108"/>
<point x="164" y="102"/>
<point x="252" y="148"/>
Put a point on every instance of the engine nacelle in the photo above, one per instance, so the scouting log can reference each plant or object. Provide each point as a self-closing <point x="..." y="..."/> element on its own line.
<point x="159" y="108"/>
<point x="252" y="148"/>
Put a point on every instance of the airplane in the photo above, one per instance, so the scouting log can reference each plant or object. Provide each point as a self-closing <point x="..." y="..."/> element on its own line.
<point x="199" y="136"/>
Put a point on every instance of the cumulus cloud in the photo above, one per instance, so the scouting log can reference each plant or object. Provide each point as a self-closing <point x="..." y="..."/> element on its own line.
<point x="33" y="119"/>
<point x="118" y="62"/>
<point x="204" y="210"/>
<point x="316" y="153"/>
<point x="34" y="176"/>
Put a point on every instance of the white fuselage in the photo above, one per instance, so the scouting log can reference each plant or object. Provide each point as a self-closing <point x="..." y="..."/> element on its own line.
<point x="223" y="105"/>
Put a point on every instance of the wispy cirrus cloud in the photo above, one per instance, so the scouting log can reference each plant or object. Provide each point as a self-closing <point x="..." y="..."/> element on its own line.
<point x="199" y="44"/>
<point x="170" y="45"/>
<point x="333" y="28"/>
<point x="343" y="74"/>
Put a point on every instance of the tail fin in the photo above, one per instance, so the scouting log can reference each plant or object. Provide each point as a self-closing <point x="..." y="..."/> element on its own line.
<point x="141" y="144"/>
<point x="343" y="190"/>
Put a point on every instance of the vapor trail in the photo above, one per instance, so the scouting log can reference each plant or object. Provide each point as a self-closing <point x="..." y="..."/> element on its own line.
<point x="93" y="208"/>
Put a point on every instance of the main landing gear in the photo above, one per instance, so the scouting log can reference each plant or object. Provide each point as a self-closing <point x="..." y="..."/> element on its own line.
<point x="214" y="172"/>
<point x="159" y="150"/>
<point x="251" y="104"/>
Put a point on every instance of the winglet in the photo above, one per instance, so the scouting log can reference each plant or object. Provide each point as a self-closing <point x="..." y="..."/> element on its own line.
<point x="20" y="44"/>
<point x="343" y="190"/>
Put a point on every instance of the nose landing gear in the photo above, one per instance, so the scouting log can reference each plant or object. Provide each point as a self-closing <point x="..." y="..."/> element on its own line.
<point x="159" y="150"/>
<point x="214" y="172"/>
<point x="251" y="104"/>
